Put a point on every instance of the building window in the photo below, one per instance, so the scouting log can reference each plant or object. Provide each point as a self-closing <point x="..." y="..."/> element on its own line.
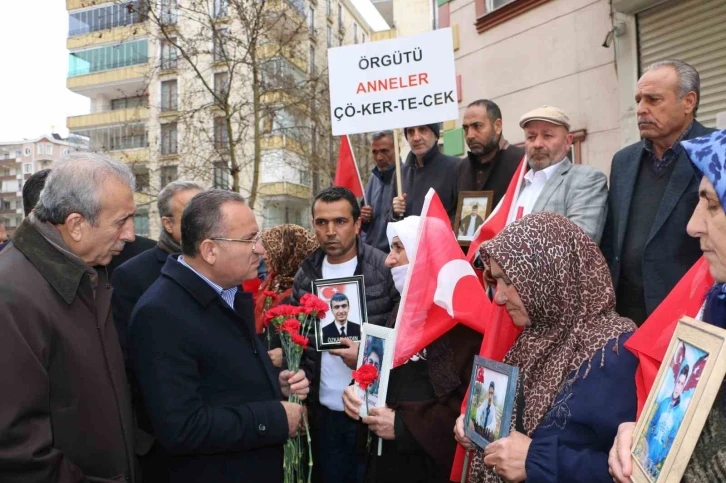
<point x="340" y="17"/>
<point x="330" y="37"/>
<point x="311" y="20"/>
<point x="106" y="17"/>
<point x="363" y="38"/>
<point x="168" y="174"/>
<point x="27" y="151"/>
<point x="17" y="153"/>
<point x="169" y="97"/>
<point x="48" y="149"/>
<point x="219" y="40"/>
<point x="141" y="222"/>
<point x="490" y="13"/>
<point x="168" y="54"/>
<point x="495" y="4"/>
<point x="328" y="7"/>
<point x="142" y="179"/>
<point x="169" y="12"/>
<point x="220" y="8"/>
<point x="220" y="175"/>
<point x="129" y="103"/>
<point x="221" y="135"/>
<point x="40" y="149"/>
<point x="125" y="136"/>
<point x="221" y="84"/>
<point x="355" y="33"/>
<point x="27" y="168"/>
<point x="125" y="54"/>
<point x="65" y="152"/>
<point x="311" y="66"/>
<point x="168" y="138"/>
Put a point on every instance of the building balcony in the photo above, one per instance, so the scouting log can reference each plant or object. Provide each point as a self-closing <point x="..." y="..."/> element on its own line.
<point x="118" y="34"/>
<point x="282" y="142"/>
<point x="115" y="83"/>
<point x="284" y="189"/>
<point x="131" y="156"/>
<point x="120" y="116"/>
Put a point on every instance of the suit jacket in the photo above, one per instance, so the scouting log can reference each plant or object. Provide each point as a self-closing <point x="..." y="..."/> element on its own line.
<point x="464" y="227"/>
<point x="331" y="331"/>
<point x="578" y="192"/>
<point x="206" y="380"/>
<point x="669" y="251"/>
<point x="136" y="247"/>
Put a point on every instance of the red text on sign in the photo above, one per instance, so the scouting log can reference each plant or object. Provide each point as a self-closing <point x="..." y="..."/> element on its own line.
<point x="392" y="83"/>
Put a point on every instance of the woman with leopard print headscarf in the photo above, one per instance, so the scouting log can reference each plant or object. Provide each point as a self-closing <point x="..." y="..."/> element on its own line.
<point x="286" y="247"/>
<point x="576" y="382"/>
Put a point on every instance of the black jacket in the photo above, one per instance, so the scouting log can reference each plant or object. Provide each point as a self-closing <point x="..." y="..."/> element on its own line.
<point x="207" y="382"/>
<point x="381" y="293"/>
<point x="669" y="251"/>
<point x="496" y="178"/>
<point x="136" y="247"/>
<point x="438" y="172"/>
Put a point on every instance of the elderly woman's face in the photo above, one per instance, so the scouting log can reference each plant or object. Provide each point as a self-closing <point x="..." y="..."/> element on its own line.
<point x="708" y="223"/>
<point x="507" y="295"/>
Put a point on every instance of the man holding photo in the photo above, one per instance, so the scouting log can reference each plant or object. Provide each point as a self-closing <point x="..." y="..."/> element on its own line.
<point x="341" y="326"/>
<point x="336" y="219"/>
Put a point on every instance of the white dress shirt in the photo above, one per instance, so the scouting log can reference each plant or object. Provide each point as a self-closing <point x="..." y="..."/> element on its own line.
<point x="335" y="376"/>
<point x="534" y="183"/>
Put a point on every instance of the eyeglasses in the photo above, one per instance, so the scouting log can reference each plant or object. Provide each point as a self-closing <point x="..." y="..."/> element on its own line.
<point x="254" y="241"/>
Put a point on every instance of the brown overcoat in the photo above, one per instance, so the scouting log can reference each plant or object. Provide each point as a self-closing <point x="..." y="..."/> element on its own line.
<point x="65" y="411"/>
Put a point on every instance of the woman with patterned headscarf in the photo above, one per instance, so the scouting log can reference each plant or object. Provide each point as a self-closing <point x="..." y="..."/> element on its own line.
<point x="708" y="224"/>
<point x="286" y="247"/>
<point x="576" y="381"/>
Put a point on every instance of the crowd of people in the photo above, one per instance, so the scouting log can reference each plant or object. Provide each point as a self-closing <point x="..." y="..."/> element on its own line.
<point x="124" y="359"/>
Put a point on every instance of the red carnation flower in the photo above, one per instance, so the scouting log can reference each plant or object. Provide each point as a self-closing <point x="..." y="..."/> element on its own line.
<point x="365" y="375"/>
<point x="291" y="326"/>
<point x="314" y="305"/>
<point x="270" y="293"/>
<point x="300" y="340"/>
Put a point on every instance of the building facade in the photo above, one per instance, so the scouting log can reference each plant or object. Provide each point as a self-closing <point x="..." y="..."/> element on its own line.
<point x="583" y="56"/>
<point x="18" y="161"/>
<point x="189" y="90"/>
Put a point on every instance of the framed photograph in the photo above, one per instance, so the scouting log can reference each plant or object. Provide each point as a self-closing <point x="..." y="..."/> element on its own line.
<point x="472" y="209"/>
<point x="491" y="401"/>
<point x="679" y="402"/>
<point x="347" y="314"/>
<point x="376" y="348"/>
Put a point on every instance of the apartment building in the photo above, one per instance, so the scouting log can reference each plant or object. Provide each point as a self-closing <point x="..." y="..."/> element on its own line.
<point x="18" y="161"/>
<point x="184" y="89"/>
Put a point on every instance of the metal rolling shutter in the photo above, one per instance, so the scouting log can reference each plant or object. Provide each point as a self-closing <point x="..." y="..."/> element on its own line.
<point x="693" y="31"/>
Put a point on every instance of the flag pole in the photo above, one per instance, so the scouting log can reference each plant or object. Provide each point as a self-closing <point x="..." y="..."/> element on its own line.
<point x="357" y="171"/>
<point x="396" y="152"/>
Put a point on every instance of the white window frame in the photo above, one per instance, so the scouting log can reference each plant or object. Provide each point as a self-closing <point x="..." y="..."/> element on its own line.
<point x="27" y="168"/>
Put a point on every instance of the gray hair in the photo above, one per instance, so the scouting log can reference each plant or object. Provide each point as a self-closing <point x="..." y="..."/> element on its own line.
<point x="377" y="136"/>
<point x="202" y="218"/>
<point x="688" y="78"/>
<point x="75" y="184"/>
<point x="163" y="201"/>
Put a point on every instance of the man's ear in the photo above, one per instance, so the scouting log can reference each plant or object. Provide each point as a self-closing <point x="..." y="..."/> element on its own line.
<point x="74" y="225"/>
<point x="498" y="126"/>
<point x="208" y="251"/>
<point x="167" y="224"/>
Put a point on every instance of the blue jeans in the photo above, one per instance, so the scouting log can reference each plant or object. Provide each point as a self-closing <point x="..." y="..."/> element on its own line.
<point x="337" y="458"/>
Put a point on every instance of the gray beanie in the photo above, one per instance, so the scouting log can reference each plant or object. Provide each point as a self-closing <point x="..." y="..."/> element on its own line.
<point x="435" y="128"/>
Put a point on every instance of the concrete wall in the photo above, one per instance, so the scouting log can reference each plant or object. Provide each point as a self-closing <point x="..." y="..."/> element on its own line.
<point x="552" y="55"/>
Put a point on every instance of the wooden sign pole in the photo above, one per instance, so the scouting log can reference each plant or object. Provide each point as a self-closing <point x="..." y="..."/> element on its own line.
<point x="399" y="184"/>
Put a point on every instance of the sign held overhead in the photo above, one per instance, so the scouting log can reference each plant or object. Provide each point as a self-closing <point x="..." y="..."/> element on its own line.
<point x="392" y="84"/>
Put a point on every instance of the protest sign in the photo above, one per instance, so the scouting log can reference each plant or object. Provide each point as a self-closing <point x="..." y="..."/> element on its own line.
<point x="391" y="84"/>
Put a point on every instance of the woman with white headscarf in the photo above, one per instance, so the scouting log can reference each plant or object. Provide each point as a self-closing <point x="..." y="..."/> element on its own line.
<point x="424" y="395"/>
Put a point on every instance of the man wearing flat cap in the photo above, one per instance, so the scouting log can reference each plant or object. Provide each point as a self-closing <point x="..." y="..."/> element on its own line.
<point x="426" y="167"/>
<point x="553" y="183"/>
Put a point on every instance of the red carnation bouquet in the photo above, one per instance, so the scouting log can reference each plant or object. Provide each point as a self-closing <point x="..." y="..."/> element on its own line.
<point x="270" y="297"/>
<point x="294" y="324"/>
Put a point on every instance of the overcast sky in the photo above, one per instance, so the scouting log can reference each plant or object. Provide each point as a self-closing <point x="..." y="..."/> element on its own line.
<point x="33" y="95"/>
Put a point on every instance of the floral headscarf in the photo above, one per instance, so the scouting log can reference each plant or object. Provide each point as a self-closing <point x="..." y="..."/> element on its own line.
<point x="286" y="246"/>
<point x="566" y="288"/>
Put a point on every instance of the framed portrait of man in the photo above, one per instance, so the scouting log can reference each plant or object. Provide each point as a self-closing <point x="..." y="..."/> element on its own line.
<point x="472" y="208"/>
<point x="491" y="401"/>
<point x="679" y="402"/>
<point x="377" y="346"/>
<point x="347" y="314"/>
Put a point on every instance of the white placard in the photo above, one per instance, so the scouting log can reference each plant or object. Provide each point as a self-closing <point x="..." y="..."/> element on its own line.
<point x="393" y="84"/>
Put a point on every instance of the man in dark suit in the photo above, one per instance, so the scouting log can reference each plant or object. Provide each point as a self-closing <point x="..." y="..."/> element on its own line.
<point x="653" y="192"/>
<point x="214" y="398"/>
<point x="130" y="281"/>
<point x="470" y="223"/>
<point x="341" y="326"/>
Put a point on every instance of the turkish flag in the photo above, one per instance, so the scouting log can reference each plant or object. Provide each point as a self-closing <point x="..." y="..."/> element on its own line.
<point x="441" y="288"/>
<point x="327" y="292"/>
<point x="650" y="342"/>
<point x="480" y="374"/>
<point x="346" y="173"/>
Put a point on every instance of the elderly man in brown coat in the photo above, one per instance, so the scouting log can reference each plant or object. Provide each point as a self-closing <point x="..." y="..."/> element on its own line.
<point x="65" y="412"/>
